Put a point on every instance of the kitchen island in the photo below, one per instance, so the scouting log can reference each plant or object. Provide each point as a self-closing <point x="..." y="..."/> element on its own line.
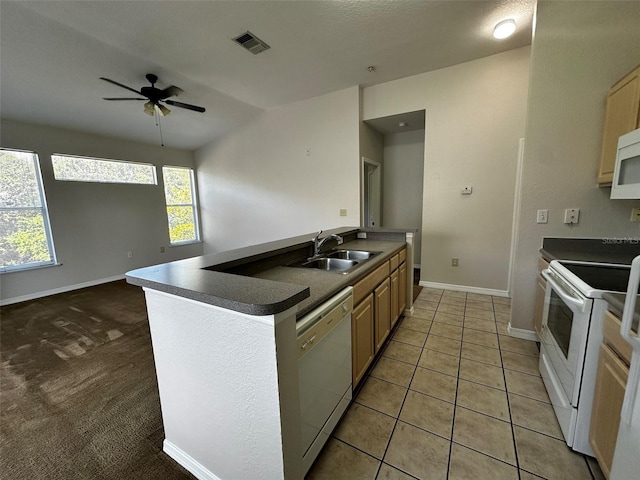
<point x="223" y="330"/>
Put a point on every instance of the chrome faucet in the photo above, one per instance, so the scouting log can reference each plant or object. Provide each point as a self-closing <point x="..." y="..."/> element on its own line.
<point x="317" y="243"/>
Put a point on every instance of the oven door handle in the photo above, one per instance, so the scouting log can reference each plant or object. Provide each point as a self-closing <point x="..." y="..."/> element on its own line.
<point x="570" y="300"/>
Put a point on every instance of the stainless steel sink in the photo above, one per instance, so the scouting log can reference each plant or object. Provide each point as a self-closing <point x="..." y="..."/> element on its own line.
<point x="338" y="261"/>
<point x="351" y="254"/>
<point x="329" y="264"/>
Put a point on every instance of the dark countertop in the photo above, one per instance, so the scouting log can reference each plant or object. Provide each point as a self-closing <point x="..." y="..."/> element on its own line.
<point x="323" y="285"/>
<point x="272" y="290"/>
<point x="616" y="302"/>
<point x="605" y="250"/>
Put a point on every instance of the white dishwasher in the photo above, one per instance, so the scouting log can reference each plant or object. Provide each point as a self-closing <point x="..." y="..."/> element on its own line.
<point x="324" y="369"/>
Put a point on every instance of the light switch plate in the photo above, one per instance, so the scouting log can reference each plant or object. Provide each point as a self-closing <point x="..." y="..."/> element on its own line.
<point x="635" y="215"/>
<point x="543" y="216"/>
<point x="343" y="212"/>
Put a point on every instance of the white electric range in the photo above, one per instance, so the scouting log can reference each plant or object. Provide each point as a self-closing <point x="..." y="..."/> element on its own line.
<point x="570" y="340"/>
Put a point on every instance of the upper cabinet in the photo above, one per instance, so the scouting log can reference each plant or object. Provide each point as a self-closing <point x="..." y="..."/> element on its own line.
<point x="622" y="115"/>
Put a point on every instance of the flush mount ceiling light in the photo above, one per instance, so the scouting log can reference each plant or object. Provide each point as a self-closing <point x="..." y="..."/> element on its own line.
<point x="504" y="29"/>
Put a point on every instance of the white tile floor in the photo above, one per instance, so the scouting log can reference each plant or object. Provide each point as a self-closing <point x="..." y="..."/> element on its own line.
<point x="452" y="397"/>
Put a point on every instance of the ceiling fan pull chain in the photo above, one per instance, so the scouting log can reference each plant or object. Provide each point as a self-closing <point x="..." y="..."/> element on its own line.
<point x="160" y="128"/>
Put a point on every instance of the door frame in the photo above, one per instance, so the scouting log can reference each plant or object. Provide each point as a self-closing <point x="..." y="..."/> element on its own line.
<point x="377" y="183"/>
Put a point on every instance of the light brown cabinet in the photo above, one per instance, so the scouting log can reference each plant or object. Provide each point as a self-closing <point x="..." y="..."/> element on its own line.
<point x="380" y="299"/>
<point x="541" y="287"/>
<point x="540" y="291"/>
<point x="611" y="382"/>
<point x="395" y="297"/>
<point x="402" y="285"/>
<point x="382" y="313"/>
<point x="362" y="351"/>
<point x="622" y="115"/>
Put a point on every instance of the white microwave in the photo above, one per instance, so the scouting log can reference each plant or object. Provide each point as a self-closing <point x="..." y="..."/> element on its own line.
<point x="626" y="176"/>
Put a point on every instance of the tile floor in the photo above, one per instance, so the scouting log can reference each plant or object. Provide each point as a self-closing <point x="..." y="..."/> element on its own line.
<point x="452" y="397"/>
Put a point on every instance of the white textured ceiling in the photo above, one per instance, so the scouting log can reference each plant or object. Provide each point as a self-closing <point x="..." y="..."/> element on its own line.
<point x="52" y="54"/>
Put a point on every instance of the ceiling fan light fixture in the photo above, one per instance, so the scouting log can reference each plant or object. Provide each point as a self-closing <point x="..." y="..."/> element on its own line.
<point x="504" y="29"/>
<point x="164" y="111"/>
<point x="149" y="109"/>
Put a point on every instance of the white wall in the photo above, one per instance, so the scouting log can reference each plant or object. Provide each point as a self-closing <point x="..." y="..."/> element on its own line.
<point x="475" y="115"/>
<point x="579" y="50"/>
<point x="95" y="225"/>
<point x="258" y="184"/>
<point x="402" y="174"/>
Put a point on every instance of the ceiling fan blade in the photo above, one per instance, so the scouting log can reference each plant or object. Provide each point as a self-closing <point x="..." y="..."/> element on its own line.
<point x="104" y="98"/>
<point x="171" y="91"/>
<point x="120" y="85"/>
<point x="195" y="108"/>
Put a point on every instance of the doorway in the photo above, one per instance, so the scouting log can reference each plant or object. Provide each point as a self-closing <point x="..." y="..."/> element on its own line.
<point x="397" y="143"/>
<point x="371" y="192"/>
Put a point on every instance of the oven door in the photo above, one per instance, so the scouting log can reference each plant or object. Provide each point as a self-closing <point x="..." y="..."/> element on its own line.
<point x="565" y="327"/>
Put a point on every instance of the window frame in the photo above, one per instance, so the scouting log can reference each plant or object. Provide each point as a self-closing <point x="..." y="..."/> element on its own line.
<point x="154" y="170"/>
<point x="44" y="211"/>
<point x="193" y="205"/>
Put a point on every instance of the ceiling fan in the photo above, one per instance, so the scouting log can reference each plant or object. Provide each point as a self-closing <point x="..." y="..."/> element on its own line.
<point x="154" y="96"/>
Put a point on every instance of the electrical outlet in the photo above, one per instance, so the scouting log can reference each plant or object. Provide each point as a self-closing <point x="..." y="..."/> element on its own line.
<point x="162" y="249"/>
<point x="362" y="235"/>
<point x="308" y="151"/>
<point x="635" y="215"/>
<point x="543" y="216"/>
<point x="454" y="262"/>
<point x="129" y="254"/>
<point x="343" y="212"/>
<point x="572" y="216"/>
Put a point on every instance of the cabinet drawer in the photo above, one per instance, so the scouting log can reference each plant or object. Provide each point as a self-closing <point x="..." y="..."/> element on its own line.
<point x="612" y="337"/>
<point x="403" y="255"/>
<point x="393" y="262"/>
<point x="371" y="281"/>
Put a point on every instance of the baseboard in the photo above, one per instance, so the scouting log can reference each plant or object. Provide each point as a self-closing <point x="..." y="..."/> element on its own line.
<point x="464" y="288"/>
<point x="187" y="461"/>
<point x="522" y="333"/>
<point x="68" y="288"/>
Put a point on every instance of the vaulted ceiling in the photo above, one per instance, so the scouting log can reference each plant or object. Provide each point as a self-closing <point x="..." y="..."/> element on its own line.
<point x="53" y="53"/>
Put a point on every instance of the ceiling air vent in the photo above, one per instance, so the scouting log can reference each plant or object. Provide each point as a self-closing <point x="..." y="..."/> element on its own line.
<point x="252" y="43"/>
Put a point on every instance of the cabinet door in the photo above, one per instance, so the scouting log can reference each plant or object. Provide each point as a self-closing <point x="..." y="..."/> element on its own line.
<point x="395" y="299"/>
<point x="382" y="312"/>
<point x="537" y="319"/>
<point x="402" y="287"/>
<point x="362" y="338"/>
<point x="621" y="116"/>
<point x="611" y="381"/>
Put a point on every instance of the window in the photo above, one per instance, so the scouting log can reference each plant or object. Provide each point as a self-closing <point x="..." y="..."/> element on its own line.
<point x="179" y="192"/>
<point x="25" y="234"/>
<point x="83" y="169"/>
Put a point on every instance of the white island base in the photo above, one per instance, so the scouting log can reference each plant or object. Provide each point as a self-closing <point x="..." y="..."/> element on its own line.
<point x="228" y="387"/>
